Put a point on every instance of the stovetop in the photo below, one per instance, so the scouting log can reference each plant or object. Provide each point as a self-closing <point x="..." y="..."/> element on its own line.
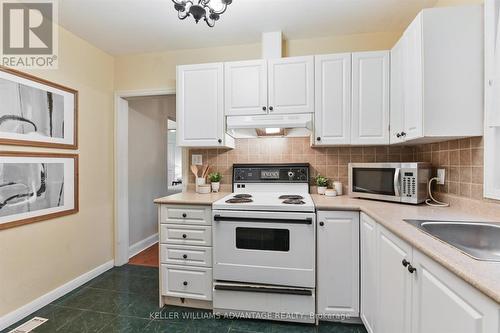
<point x="266" y="201"/>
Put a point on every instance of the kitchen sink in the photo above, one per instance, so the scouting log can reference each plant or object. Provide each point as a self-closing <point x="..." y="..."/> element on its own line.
<point x="480" y="240"/>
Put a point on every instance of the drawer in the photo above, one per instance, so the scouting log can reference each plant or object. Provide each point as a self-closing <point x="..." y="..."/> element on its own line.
<point x="187" y="282"/>
<point x="185" y="214"/>
<point x="186" y="234"/>
<point x="186" y="255"/>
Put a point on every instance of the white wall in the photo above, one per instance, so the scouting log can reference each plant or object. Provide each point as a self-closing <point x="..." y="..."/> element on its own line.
<point x="147" y="151"/>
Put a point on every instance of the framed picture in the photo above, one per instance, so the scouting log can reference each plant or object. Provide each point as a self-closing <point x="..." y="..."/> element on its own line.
<point x="36" y="187"/>
<point x="35" y="112"/>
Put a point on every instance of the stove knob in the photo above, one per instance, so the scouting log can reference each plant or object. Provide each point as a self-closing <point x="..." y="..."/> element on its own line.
<point x="291" y="174"/>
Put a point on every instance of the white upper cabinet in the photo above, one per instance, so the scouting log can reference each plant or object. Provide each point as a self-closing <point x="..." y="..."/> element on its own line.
<point x="200" y="111"/>
<point x="332" y="99"/>
<point x="245" y="88"/>
<point x="393" y="283"/>
<point x="291" y="85"/>
<point x="441" y="76"/>
<point x="412" y="81"/>
<point x="370" y="98"/>
<point x="397" y="92"/>
<point x="338" y="263"/>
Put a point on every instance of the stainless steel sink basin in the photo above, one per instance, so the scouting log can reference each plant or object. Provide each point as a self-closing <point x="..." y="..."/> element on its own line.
<point x="479" y="240"/>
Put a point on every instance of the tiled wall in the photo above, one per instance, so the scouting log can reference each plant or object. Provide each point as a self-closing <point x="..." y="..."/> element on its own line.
<point x="463" y="161"/>
<point x="330" y="162"/>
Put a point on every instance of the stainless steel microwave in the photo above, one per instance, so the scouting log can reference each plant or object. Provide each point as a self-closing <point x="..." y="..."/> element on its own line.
<point x="398" y="182"/>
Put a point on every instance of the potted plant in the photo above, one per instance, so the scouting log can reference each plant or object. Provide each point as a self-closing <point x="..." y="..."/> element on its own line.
<point x="321" y="183"/>
<point x="215" y="178"/>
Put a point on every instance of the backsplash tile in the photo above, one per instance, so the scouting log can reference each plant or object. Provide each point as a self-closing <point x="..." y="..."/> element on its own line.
<point x="462" y="159"/>
<point x="329" y="161"/>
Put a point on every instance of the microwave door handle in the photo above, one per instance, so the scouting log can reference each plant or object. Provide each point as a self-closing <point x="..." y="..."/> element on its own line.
<point x="397" y="182"/>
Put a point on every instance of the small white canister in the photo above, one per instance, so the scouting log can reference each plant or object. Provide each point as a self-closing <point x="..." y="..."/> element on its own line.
<point x="338" y="187"/>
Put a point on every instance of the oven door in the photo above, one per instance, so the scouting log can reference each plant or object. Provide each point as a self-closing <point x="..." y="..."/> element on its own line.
<point x="380" y="181"/>
<point x="276" y="248"/>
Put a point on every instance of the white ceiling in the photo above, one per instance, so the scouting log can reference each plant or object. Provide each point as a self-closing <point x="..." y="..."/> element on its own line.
<point x="136" y="26"/>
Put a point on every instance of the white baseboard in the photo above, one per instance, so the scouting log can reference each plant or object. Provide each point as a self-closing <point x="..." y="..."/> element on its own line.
<point x="18" y="314"/>
<point x="142" y="245"/>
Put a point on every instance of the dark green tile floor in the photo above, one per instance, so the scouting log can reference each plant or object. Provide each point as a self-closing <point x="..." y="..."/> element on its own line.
<point x="123" y="298"/>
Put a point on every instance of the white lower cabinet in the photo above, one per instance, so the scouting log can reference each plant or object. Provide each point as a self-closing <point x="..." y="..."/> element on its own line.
<point x="393" y="283"/>
<point x="404" y="291"/>
<point x="338" y="265"/>
<point x="185" y="255"/>
<point x="368" y="260"/>
<point x="443" y="303"/>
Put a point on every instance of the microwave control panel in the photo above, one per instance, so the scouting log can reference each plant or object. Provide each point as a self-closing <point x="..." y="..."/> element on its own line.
<point x="409" y="186"/>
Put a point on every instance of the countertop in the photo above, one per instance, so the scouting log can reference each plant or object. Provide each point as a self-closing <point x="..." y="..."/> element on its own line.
<point x="191" y="198"/>
<point x="485" y="276"/>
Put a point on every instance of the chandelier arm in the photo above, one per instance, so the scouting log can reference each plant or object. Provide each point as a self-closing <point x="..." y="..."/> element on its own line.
<point x="220" y="12"/>
<point x="183" y="16"/>
<point x="211" y="24"/>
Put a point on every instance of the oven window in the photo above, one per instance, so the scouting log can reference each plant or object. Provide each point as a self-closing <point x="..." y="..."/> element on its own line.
<point x="373" y="180"/>
<point x="263" y="239"/>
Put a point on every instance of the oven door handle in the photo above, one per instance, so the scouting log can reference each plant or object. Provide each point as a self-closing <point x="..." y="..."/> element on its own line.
<point x="286" y="291"/>
<point x="307" y="220"/>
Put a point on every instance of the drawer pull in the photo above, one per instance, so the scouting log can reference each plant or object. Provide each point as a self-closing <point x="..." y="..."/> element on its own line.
<point x="185" y="256"/>
<point x="184" y="236"/>
<point x="184" y="215"/>
<point x="185" y="283"/>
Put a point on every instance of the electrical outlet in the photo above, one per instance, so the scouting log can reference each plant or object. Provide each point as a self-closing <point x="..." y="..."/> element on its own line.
<point x="440" y="175"/>
<point x="197" y="160"/>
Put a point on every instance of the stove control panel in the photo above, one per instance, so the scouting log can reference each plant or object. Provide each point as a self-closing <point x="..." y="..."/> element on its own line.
<point x="271" y="173"/>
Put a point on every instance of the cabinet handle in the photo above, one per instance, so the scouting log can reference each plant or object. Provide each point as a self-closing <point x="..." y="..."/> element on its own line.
<point x="184" y="215"/>
<point x="405" y="263"/>
<point x="411" y="269"/>
<point x="322" y="224"/>
<point x="185" y="283"/>
<point x="318" y="138"/>
<point x="264" y="108"/>
<point x="185" y="256"/>
<point x="271" y="108"/>
<point x="184" y="236"/>
<point x="219" y="141"/>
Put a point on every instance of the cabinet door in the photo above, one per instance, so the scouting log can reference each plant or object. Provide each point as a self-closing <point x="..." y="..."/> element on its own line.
<point x="338" y="264"/>
<point x="443" y="303"/>
<point x="394" y="284"/>
<point x="370" y="98"/>
<point x="413" y="80"/>
<point x="245" y="88"/>
<point x="333" y="99"/>
<point x="291" y="85"/>
<point x="397" y="91"/>
<point x="200" y="113"/>
<point x="368" y="272"/>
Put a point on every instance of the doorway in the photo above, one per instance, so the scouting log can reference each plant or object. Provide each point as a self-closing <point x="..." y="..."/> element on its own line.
<point x="144" y="122"/>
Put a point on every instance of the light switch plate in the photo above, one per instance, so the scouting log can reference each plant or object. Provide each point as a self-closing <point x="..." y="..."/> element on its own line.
<point x="197" y="159"/>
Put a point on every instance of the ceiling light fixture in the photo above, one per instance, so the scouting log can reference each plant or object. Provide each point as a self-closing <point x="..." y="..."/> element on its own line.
<point x="200" y="9"/>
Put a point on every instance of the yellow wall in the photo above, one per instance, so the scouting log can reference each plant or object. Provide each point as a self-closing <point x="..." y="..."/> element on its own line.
<point x="37" y="258"/>
<point x="448" y="3"/>
<point x="157" y="70"/>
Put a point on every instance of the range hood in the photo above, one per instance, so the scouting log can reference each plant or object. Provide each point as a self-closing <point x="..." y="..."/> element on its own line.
<point x="290" y="125"/>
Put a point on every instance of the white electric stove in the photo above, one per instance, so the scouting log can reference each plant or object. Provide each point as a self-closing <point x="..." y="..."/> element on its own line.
<point x="264" y="237"/>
